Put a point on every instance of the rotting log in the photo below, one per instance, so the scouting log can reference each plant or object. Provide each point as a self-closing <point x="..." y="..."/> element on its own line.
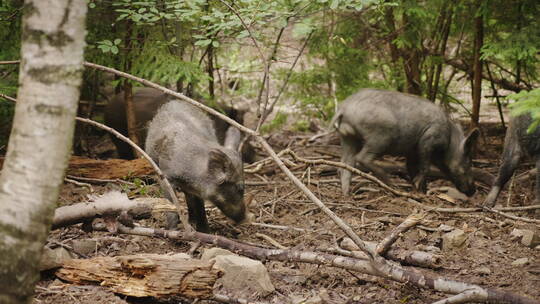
<point x="145" y="275"/>
<point x="106" y="169"/>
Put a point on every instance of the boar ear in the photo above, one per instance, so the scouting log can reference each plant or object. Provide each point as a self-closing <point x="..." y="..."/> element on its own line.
<point x="470" y="140"/>
<point x="219" y="165"/>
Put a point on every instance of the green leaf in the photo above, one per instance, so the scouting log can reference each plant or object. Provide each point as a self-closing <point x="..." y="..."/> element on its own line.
<point x="204" y="42"/>
<point x="117" y="41"/>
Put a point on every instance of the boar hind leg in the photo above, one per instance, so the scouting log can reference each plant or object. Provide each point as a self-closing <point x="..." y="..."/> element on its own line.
<point x="510" y="161"/>
<point x="350" y="147"/>
<point x="412" y="166"/>
<point x="196" y="212"/>
<point x="421" y="165"/>
<point x="365" y="159"/>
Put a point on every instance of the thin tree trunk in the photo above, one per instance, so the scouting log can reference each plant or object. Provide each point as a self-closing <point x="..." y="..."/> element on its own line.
<point x="411" y="65"/>
<point x="128" y="89"/>
<point x="442" y="49"/>
<point x="394" y="53"/>
<point x="434" y="45"/>
<point x="496" y="94"/>
<point x="41" y="138"/>
<point x="210" y="70"/>
<point x="477" y="66"/>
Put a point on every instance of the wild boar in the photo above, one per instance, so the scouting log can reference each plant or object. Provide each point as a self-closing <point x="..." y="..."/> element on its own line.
<point x="147" y="101"/>
<point x="517" y="143"/>
<point x="182" y="141"/>
<point x="375" y="122"/>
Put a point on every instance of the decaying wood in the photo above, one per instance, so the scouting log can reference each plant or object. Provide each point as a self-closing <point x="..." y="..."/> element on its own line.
<point x="109" y="204"/>
<point x="396" y="273"/>
<point x="106" y="169"/>
<point x="145" y="275"/>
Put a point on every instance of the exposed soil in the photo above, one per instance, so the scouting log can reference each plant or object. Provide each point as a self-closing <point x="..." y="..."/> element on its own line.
<point x="485" y="259"/>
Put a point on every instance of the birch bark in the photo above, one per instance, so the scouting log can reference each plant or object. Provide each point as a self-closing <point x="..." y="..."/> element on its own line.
<point x="41" y="137"/>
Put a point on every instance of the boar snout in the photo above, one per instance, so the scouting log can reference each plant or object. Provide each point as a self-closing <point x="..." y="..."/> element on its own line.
<point x="467" y="187"/>
<point x="235" y="211"/>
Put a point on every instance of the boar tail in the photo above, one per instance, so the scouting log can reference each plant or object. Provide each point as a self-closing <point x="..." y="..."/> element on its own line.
<point x="336" y="121"/>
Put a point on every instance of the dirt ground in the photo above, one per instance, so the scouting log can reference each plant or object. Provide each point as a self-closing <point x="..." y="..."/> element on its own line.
<point x="485" y="258"/>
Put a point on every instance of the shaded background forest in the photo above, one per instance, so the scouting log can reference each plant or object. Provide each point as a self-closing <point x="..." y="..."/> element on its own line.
<point x="315" y="53"/>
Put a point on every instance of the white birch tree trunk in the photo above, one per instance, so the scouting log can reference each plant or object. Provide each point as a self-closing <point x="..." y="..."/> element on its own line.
<point x="40" y="141"/>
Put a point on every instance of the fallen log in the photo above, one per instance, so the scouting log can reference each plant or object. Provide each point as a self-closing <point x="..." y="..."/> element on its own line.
<point x="145" y="275"/>
<point x="106" y="168"/>
<point x="109" y="204"/>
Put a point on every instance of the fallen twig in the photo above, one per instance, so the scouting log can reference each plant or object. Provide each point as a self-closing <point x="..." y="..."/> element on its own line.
<point x="230" y="300"/>
<point x="99" y="180"/>
<point x="270" y="240"/>
<point x="278" y="227"/>
<point x="80" y="184"/>
<point x="411" y="221"/>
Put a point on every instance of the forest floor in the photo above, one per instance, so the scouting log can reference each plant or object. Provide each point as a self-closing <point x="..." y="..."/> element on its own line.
<point x="485" y="258"/>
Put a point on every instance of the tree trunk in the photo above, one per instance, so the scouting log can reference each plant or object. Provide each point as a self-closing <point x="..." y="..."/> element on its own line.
<point x="411" y="64"/>
<point x="128" y="90"/>
<point x="394" y="53"/>
<point x="41" y="138"/>
<point x="434" y="86"/>
<point x="477" y="65"/>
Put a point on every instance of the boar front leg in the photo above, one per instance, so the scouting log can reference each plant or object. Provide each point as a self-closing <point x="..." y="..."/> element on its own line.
<point x="510" y="161"/>
<point x="412" y="167"/>
<point x="196" y="213"/>
<point x="419" y="166"/>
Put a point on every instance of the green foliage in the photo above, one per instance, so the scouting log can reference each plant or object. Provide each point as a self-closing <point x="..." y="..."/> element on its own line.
<point x="109" y="46"/>
<point x="527" y="102"/>
<point x="277" y="122"/>
<point x="301" y="125"/>
<point x="156" y="64"/>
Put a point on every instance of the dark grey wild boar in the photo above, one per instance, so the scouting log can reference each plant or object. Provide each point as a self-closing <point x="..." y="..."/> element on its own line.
<point x="517" y="143"/>
<point x="147" y="101"/>
<point x="374" y="122"/>
<point x="182" y="141"/>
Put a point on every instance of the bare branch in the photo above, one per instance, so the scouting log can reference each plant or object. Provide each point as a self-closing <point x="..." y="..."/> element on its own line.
<point x="411" y="221"/>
